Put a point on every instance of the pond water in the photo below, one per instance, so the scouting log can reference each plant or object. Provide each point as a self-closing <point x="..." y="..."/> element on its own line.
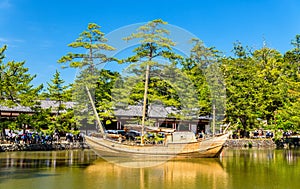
<point x="237" y="168"/>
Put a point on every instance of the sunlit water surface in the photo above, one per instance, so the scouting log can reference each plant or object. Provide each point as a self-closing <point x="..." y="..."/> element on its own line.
<point x="82" y="169"/>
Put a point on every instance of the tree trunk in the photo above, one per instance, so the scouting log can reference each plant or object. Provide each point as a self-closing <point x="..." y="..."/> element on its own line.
<point x="3" y="134"/>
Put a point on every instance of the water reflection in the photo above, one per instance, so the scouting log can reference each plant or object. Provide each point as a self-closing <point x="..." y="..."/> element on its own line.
<point x="46" y="159"/>
<point x="290" y="156"/>
<point x="237" y="168"/>
<point x="170" y="174"/>
<point x="262" y="168"/>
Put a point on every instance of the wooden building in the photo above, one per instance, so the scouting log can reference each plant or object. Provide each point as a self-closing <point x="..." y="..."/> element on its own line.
<point x="158" y="115"/>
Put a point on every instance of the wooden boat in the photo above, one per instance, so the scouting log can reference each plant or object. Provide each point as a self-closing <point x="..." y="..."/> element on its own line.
<point x="205" y="148"/>
<point x="176" y="144"/>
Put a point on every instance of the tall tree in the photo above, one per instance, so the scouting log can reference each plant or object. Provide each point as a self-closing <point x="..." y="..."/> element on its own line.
<point x="149" y="64"/>
<point x="103" y="94"/>
<point x="15" y="84"/>
<point x="153" y="43"/>
<point x="16" y="88"/>
<point x="93" y="42"/>
<point x="288" y="116"/>
<point x="198" y="68"/>
<point x="59" y="93"/>
<point x="255" y="87"/>
<point x="240" y="78"/>
<point x="57" y="90"/>
<point x="272" y="88"/>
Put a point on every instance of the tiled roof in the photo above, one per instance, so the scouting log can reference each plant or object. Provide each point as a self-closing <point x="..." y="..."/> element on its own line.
<point x="44" y="104"/>
<point x="153" y="111"/>
<point x="15" y="109"/>
<point x="54" y="104"/>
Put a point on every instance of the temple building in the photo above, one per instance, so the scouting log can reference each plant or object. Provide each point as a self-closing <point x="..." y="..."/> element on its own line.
<point x="157" y="116"/>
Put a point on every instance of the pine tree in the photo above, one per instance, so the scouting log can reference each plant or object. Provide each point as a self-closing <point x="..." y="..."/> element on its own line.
<point x="241" y="89"/>
<point x="15" y="84"/>
<point x="154" y="43"/>
<point x="16" y="89"/>
<point x="198" y="68"/>
<point x="288" y="116"/>
<point x="103" y="94"/>
<point x="150" y="78"/>
<point x="57" y="90"/>
<point x="93" y="41"/>
<point x="271" y="86"/>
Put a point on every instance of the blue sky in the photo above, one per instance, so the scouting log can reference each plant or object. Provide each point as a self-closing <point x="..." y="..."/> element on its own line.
<point x="38" y="31"/>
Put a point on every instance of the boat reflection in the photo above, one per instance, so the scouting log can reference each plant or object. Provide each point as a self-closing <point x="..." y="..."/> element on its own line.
<point x="168" y="174"/>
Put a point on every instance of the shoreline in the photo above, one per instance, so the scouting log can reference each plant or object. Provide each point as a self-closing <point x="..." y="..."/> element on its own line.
<point x="257" y="143"/>
<point x="42" y="147"/>
<point x="65" y="145"/>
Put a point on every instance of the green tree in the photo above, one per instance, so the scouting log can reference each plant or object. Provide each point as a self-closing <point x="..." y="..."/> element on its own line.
<point x="93" y="41"/>
<point x="57" y="90"/>
<point x="154" y="44"/>
<point x="59" y="93"/>
<point x="241" y="89"/>
<point x="16" y="89"/>
<point x="271" y="86"/>
<point x="288" y="116"/>
<point x="198" y="67"/>
<point x="41" y="119"/>
<point x="15" y="84"/>
<point x="103" y="94"/>
<point x="255" y="87"/>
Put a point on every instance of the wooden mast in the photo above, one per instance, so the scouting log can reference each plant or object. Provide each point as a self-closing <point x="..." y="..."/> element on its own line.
<point x="214" y="119"/>
<point x="95" y="111"/>
<point x="145" y="102"/>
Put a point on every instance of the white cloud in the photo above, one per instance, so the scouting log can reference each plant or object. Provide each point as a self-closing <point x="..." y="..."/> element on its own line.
<point x="3" y="40"/>
<point x="8" y="40"/>
<point x="11" y="42"/>
<point x="5" y="4"/>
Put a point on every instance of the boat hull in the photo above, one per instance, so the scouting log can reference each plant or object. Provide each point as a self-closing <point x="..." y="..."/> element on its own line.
<point x="207" y="148"/>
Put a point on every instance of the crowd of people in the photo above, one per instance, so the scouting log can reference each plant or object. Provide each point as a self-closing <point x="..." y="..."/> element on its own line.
<point x="28" y="137"/>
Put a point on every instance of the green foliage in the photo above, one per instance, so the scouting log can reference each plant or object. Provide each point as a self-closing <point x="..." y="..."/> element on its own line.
<point x="57" y="91"/>
<point x="15" y="87"/>
<point x="41" y="119"/>
<point x="16" y="90"/>
<point x="103" y="94"/>
<point x="202" y="68"/>
<point x="93" y="42"/>
<point x="288" y="115"/>
<point x="152" y="76"/>
<point x="262" y="88"/>
<point x="63" y="119"/>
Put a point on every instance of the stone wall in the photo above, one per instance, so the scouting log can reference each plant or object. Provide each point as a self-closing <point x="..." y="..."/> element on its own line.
<point x="42" y="147"/>
<point x="259" y="143"/>
<point x="231" y="143"/>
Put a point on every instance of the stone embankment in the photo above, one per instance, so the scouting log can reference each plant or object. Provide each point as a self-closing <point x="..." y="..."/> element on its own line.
<point x="42" y="147"/>
<point x="259" y="143"/>
<point x="230" y="143"/>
